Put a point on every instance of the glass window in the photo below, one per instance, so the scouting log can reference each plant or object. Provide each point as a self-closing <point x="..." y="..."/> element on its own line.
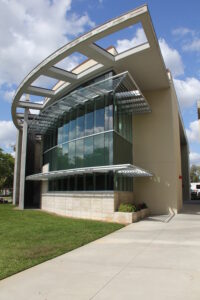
<point x="54" y="138"/>
<point x="60" y="185"/>
<point x="72" y="181"/>
<point x="109" y="117"/>
<point x="46" y="141"/>
<point x="54" y="185"/>
<point x="72" y="130"/>
<point x="122" y="150"/>
<point x="123" y="123"/>
<point x="60" y="135"/>
<point x="100" y="182"/>
<point x="71" y="155"/>
<point x="54" y="159"/>
<point x="89" y="119"/>
<point x="99" y="115"/>
<point x="65" y="153"/>
<point x="80" y="129"/>
<point x="99" y="150"/>
<point x="80" y="183"/>
<point x="124" y="183"/>
<point x="109" y="148"/>
<point x="88" y="152"/>
<point x="89" y="182"/>
<point x="59" y="158"/>
<point x="79" y="154"/>
<point x="66" y="133"/>
<point x="109" y="181"/>
<point x="65" y="184"/>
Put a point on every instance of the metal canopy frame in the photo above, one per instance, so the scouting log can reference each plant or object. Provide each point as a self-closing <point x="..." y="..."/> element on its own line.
<point x="127" y="170"/>
<point x="127" y="94"/>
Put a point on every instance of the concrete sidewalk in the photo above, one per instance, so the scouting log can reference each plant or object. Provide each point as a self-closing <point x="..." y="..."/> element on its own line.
<point x="151" y="259"/>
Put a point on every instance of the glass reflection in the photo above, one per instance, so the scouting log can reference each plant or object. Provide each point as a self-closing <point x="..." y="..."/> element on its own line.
<point x="109" y="117"/>
<point x="89" y="119"/>
<point x="88" y="152"/>
<point x="66" y="133"/>
<point x="72" y="129"/>
<point x="60" y="135"/>
<point x="99" y="150"/>
<point x="65" y="153"/>
<point x="71" y="155"/>
<point x="99" y="115"/>
<point x="79" y="154"/>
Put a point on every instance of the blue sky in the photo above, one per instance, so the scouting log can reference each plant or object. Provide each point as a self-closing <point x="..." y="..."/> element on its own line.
<point x="31" y="30"/>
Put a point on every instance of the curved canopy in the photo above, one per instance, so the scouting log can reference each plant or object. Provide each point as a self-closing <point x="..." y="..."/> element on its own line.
<point x="128" y="96"/>
<point x="123" y="169"/>
<point x="141" y="62"/>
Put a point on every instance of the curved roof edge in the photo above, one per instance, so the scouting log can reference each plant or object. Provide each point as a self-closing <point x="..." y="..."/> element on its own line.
<point x="136" y="60"/>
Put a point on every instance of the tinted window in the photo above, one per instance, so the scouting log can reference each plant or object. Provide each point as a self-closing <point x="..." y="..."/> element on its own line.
<point x="72" y="129"/>
<point x="79" y="153"/>
<point x="89" y="119"/>
<point x="65" y="153"/>
<point x="88" y="152"/>
<point x="71" y="155"/>
<point x="60" y="135"/>
<point x="65" y="133"/>
<point x="99" y="150"/>
<point x="99" y="115"/>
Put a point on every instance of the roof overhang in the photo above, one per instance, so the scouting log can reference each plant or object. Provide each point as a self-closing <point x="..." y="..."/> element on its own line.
<point x="127" y="170"/>
<point x="143" y="62"/>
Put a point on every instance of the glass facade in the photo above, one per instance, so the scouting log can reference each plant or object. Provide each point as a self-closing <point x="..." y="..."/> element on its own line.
<point x="94" y="134"/>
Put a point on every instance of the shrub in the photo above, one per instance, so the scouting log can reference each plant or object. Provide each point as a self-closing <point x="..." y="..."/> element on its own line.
<point x="141" y="206"/>
<point x="127" y="207"/>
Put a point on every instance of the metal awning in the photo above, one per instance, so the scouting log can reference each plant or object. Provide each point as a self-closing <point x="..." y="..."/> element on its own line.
<point x="128" y="97"/>
<point x="123" y="169"/>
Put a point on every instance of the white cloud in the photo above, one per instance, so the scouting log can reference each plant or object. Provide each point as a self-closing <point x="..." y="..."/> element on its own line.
<point x="7" y="134"/>
<point x="192" y="43"/>
<point x="188" y="91"/>
<point x="138" y="39"/>
<point x="194" y="158"/>
<point x="192" y="46"/>
<point x="8" y="95"/>
<point x="193" y="133"/>
<point x="172" y="58"/>
<point x="182" y="31"/>
<point x="31" y="30"/>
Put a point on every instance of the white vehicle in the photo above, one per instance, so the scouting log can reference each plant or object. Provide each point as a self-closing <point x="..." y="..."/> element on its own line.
<point x="195" y="190"/>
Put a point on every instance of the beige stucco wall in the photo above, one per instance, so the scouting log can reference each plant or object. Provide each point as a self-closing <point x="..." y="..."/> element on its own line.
<point x="156" y="147"/>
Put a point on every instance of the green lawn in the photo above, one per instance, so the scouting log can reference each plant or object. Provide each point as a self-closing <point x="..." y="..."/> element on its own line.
<point x="30" y="237"/>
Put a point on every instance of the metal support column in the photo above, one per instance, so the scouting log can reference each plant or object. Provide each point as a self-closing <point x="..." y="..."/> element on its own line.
<point x="23" y="160"/>
<point x="16" y="182"/>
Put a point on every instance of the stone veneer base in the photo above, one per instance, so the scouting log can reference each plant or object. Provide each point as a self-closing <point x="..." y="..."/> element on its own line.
<point x="91" y="205"/>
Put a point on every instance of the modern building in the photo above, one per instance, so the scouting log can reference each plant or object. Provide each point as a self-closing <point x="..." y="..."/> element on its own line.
<point x="109" y="131"/>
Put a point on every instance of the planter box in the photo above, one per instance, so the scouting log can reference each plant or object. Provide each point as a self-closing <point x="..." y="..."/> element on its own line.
<point x="129" y="217"/>
<point x="125" y="217"/>
<point x="143" y="213"/>
<point x="146" y="212"/>
<point x="139" y="215"/>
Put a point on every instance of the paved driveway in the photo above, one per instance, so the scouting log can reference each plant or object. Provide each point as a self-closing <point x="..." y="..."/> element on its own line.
<point x="153" y="259"/>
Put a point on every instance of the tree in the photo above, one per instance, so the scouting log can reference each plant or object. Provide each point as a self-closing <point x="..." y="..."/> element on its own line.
<point x="195" y="173"/>
<point x="6" y="170"/>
